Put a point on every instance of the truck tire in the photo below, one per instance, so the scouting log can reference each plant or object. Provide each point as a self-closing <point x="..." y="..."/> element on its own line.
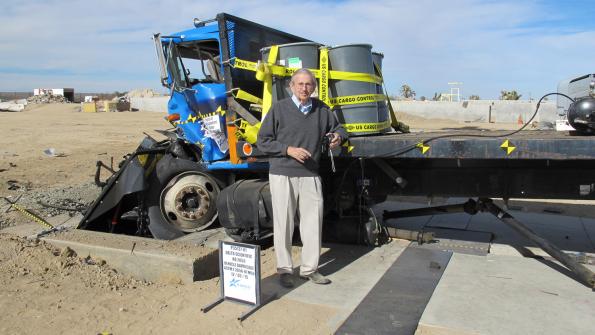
<point x="181" y="198"/>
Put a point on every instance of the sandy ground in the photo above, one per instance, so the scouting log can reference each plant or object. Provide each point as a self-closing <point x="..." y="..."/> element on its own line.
<point x="56" y="291"/>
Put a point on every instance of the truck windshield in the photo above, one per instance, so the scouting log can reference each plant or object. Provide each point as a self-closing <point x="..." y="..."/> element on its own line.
<point x="175" y="66"/>
<point x="191" y="63"/>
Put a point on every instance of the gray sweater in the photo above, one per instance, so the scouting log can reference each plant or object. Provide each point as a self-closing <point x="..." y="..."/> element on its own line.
<point x="285" y="125"/>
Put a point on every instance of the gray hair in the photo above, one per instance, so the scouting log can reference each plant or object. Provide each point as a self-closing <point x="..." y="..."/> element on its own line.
<point x="304" y="71"/>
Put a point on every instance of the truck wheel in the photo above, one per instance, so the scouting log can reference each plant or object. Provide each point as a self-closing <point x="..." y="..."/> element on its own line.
<point x="186" y="204"/>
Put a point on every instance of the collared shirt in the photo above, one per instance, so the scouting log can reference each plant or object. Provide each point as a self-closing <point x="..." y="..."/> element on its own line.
<point x="303" y="108"/>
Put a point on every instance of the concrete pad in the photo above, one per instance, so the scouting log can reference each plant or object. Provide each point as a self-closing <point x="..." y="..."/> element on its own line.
<point x="143" y="258"/>
<point x="589" y="228"/>
<point x="565" y="231"/>
<point x="209" y="238"/>
<point x="397" y="301"/>
<point x="570" y="233"/>
<point x="453" y="221"/>
<point x="353" y="269"/>
<point x="507" y="295"/>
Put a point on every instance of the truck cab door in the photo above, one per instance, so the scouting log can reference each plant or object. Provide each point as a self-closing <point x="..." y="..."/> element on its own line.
<point x="194" y="99"/>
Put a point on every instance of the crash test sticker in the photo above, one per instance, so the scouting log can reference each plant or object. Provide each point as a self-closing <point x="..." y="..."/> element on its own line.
<point x="240" y="271"/>
<point x="212" y="123"/>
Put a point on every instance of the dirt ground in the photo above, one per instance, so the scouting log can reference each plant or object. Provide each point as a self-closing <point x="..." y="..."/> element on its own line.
<point x="43" y="289"/>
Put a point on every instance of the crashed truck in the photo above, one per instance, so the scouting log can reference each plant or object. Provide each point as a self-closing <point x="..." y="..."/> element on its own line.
<point x="223" y="75"/>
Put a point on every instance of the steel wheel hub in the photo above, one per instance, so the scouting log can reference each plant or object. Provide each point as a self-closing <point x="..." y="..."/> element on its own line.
<point x="188" y="201"/>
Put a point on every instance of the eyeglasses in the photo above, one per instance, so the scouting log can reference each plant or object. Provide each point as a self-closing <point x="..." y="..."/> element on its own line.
<point x="308" y="85"/>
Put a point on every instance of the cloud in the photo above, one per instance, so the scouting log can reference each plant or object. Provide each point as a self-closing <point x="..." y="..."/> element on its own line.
<point x="487" y="45"/>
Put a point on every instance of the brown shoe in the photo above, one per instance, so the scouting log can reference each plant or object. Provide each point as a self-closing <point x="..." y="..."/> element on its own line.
<point x="286" y="280"/>
<point x="316" y="278"/>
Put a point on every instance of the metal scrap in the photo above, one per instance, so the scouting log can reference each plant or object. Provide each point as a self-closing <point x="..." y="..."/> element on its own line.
<point x="13" y="185"/>
<point x="51" y="152"/>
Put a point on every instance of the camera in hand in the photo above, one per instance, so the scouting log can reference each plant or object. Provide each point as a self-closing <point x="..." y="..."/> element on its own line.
<point x="326" y="143"/>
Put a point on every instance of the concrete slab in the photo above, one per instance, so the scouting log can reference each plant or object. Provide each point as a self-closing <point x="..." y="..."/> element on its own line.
<point x="570" y="233"/>
<point x="589" y="228"/>
<point x="453" y="221"/>
<point x="143" y="258"/>
<point x="209" y="238"/>
<point x="507" y="295"/>
<point x="565" y="231"/>
<point x="396" y="303"/>
<point x="353" y="269"/>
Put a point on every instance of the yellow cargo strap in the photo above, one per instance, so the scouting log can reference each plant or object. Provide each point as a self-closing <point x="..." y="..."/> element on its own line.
<point x="354" y="76"/>
<point x="267" y="94"/>
<point x="248" y="132"/>
<point x="365" y="127"/>
<point x="243" y="95"/>
<point x="396" y="124"/>
<point x="356" y="99"/>
<point x="323" y="94"/>
<point x="264" y="69"/>
<point x="244" y="64"/>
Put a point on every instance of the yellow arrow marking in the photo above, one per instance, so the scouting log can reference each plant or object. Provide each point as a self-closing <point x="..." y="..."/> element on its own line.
<point x="422" y="147"/>
<point x="508" y="147"/>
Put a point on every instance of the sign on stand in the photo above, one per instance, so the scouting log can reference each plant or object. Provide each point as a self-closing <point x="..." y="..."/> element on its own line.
<point x="239" y="268"/>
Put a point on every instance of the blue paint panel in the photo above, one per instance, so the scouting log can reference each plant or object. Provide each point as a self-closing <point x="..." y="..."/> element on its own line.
<point x="209" y="96"/>
<point x="210" y="32"/>
<point x="207" y="99"/>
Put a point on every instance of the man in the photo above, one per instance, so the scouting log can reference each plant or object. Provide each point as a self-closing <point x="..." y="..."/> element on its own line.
<point x="292" y="133"/>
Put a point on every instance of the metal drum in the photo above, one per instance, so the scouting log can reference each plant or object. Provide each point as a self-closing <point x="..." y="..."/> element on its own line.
<point x="383" y="112"/>
<point x="293" y="55"/>
<point x="359" y="119"/>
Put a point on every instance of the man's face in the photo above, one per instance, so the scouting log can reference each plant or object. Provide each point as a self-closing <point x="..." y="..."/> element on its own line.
<point x="302" y="86"/>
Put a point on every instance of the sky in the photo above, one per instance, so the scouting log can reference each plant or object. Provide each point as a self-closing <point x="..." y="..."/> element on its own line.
<point x="488" y="46"/>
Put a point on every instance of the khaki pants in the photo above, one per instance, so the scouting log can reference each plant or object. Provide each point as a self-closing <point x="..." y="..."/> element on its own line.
<point x="303" y="194"/>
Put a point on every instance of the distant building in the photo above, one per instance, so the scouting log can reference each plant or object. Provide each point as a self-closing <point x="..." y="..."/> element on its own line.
<point x="67" y="93"/>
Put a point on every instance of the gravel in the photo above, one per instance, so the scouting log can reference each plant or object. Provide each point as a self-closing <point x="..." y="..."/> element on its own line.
<point x="49" y="203"/>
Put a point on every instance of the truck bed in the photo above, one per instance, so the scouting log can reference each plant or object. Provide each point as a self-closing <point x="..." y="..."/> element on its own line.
<point x="457" y="144"/>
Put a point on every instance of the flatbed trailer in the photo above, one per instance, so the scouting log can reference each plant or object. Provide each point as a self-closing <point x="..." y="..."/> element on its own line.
<point x="528" y="164"/>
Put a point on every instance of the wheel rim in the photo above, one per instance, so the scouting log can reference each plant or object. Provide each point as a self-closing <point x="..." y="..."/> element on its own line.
<point x="188" y="202"/>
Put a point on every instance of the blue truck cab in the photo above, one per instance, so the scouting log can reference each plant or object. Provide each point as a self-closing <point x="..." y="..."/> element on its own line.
<point x="197" y="67"/>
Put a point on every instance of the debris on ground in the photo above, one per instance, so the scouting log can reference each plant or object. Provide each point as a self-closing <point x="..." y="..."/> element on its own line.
<point x="11" y="107"/>
<point x="51" y="152"/>
<point x="49" y="203"/>
<point x="47" y="99"/>
<point x="13" y="185"/>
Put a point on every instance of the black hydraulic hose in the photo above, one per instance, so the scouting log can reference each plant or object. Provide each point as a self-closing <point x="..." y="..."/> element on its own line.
<point x="408" y="148"/>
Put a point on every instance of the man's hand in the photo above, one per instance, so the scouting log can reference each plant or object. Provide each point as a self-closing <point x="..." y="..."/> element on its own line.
<point x="299" y="154"/>
<point x="335" y="140"/>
